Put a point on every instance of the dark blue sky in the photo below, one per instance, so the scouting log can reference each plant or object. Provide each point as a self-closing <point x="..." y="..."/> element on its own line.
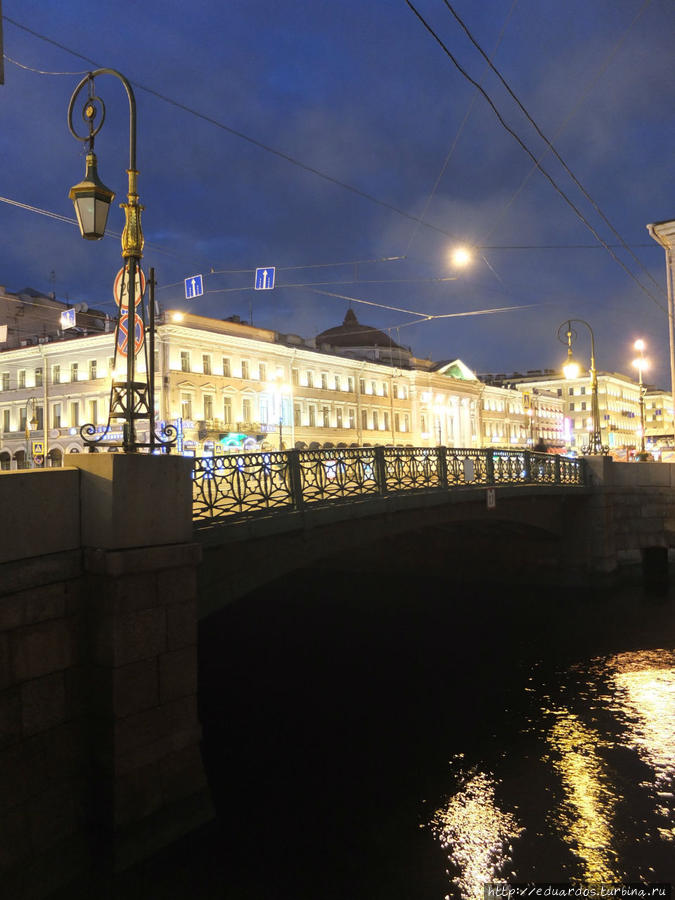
<point x="363" y="93"/>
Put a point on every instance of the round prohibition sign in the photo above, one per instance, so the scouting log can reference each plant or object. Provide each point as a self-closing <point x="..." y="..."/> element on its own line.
<point x="123" y="334"/>
<point x="122" y="295"/>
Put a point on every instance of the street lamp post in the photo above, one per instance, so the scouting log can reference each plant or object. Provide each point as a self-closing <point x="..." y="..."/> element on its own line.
<point x="30" y="426"/>
<point x="130" y="400"/>
<point x="664" y="234"/>
<point x="640" y="364"/>
<point x="571" y="371"/>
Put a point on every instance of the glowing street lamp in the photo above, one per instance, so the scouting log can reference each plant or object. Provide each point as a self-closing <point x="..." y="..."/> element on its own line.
<point x="461" y="257"/>
<point x="641" y="363"/>
<point x="571" y="371"/>
<point x="130" y="400"/>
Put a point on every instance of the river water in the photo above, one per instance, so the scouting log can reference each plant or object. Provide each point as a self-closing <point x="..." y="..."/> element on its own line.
<point x="404" y="738"/>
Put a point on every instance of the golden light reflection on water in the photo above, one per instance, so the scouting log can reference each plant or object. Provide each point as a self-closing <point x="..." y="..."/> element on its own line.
<point x="589" y="801"/>
<point x="644" y="699"/>
<point x="476" y="834"/>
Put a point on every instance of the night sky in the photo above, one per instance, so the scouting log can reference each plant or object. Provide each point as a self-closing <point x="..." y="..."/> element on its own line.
<point x="361" y="92"/>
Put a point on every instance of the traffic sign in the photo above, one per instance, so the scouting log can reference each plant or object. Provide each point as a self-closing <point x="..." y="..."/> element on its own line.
<point x="194" y="287"/>
<point x="264" y="278"/>
<point x="68" y="318"/>
<point x="122" y="294"/>
<point x="38" y="461"/>
<point x="38" y="448"/>
<point x="123" y="334"/>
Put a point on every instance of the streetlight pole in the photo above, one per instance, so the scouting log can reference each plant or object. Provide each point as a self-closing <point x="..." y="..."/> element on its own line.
<point x="130" y="400"/>
<point x="571" y="370"/>
<point x="640" y="364"/>
<point x="664" y="234"/>
<point x="30" y="426"/>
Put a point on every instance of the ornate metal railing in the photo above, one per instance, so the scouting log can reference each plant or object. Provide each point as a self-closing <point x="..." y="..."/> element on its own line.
<point x="247" y="484"/>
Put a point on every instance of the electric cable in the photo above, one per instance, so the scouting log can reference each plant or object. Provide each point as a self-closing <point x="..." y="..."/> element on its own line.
<point x="240" y="134"/>
<point x="524" y="146"/>
<point x="455" y="141"/>
<point x="548" y="143"/>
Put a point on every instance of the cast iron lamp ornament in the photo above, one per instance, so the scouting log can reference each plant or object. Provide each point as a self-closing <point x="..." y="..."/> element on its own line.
<point x="641" y="363"/>
<point x="571" y="370"/>
<point x="130" y="400"/>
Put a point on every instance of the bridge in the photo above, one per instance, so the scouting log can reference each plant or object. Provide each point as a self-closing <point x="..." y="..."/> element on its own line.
<point x="107" y="565"/>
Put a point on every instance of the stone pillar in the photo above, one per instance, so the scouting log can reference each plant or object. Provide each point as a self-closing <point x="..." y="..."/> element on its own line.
<point x="140" y="566"/>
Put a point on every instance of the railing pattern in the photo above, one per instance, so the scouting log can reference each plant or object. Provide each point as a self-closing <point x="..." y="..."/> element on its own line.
<point x="248" y="484"/>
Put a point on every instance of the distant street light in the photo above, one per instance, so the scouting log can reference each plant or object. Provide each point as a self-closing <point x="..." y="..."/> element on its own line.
<point x="571" y="370"/>
<point x="130" y="400"/>
<point x="278" y="388"/>
<point x="461" y="257"/>
<point x="664" y="234"/>
<point x="30" y="426"/>
<point x="641" y="363"/>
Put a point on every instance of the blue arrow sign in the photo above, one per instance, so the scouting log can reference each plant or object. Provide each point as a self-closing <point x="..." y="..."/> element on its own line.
<point x="194" y="287"/>
<point x="264" y="278"/>
<point x="68" y="318"/>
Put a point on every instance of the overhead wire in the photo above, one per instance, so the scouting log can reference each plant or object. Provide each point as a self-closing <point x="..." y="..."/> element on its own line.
<point x="549" y="145"/>
<point x="591" y="83"/>
<point x="527" y="150"/>
<point x="237" y="133"/>
<point x="455" y="141"/>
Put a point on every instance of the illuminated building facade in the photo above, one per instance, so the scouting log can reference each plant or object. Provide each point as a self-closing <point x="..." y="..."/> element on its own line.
<point x="230" y="386"/>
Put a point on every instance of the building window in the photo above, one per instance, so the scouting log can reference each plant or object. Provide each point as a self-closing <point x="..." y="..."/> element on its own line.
<point x="5" y="420"/>
<point x="246" y="409"/>
<point x="402" y="392"/>
<point x="386" y="420"/>
<point x="208" y="406"/>
<point x="310" y="379"/>
<point x="397" y="423"/>
<point x="38" y="377"/>
<point x="350" y="384"/>
<point x="385" y="389"/>
<point x="93" y="411"/>
<point x="571" y="392"/>
<point x="338" y="417"/>
<point x="297" y="415"/>
<point x="362" y="385"/>
<point x="74" y="371"/>
<point x="406" y="422"/>
<point x="364" y="419"/>
<point x="206" y="363"/>
<point x="22" y="418"/>
<point x="571" y="407"/>
<point x="352" y="418"/>
<point x="295" y="376"/>
<point x="336" y="383"/>
<point x="227" y="369"/>
<point x="376" y="420"/>
<point x="324" y="381"/>
<point x="185" y="360"/>
<point x="56" y="415"/>
<point x="56" y="374"/>
<point x="186" y="406"/>
<point x="5" y="381"/>
<point x="227" y="410"/>
<point x="245" y="371"/>
<point x="423" y="423"/>
<point x="583" y="405"/>
<point x="75" y="414"/>
<point x="582" y="389"/>
<point x="262" y="372"/>
<point x="325" y="417"/>
<point x="22" y="378"/>
<point x="312" y="416"/>
<point x="93" y="375"/>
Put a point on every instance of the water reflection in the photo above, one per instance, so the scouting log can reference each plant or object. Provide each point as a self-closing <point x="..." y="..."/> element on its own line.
<point x="476" y="834"/>
<point x="584" y="818"/>
<point x="592" y="734"/>
<point x="644" y="700"/>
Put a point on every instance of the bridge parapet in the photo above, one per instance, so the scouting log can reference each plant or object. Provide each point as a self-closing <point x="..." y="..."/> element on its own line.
<point x="241" y="485"/>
